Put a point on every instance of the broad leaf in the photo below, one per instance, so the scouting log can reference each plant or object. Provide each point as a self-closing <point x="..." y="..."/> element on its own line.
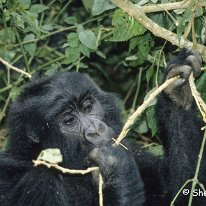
<point x="88" y="39"/>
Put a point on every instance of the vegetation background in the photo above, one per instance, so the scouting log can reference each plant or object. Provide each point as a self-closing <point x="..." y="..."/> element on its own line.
<point x="98" y="38"/>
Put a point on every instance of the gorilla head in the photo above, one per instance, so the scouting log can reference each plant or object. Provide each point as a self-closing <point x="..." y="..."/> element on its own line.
<point x="67" y="111"/>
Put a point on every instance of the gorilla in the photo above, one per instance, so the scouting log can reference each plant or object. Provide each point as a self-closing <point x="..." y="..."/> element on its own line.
<point x="70" y="112"/>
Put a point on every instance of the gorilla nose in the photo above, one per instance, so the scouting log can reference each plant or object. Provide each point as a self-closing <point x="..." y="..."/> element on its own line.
<point x="95" y="129"/>
<point x="97" y="133"/>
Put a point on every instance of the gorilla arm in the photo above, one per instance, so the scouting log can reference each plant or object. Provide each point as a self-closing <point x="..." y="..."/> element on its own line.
<point x="38" y="186"/>
<point x="179" y="123"/>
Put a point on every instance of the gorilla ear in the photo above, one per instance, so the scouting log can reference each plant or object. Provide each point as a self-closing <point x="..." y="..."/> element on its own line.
<point x="32" y="135"/>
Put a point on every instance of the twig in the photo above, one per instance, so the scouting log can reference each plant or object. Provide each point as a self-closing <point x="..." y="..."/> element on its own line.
<point x="187" y="30"/>
<point x="202" y="107"/>
<point x="138" y="13"/>
<point x="200" y="103"/>
<point x="170" y="6"/>
<point x="194" y="40"/>
<point x="140" y="109"/>
<point x="119" y="144"/>
<point x="14" y="68"/>
<point x="22" y="51"/>
<point x="64" y="170"/>
<point x="100" y="190"/>
<point x="3" y="112"/>
<point x="195" y="179"/>
<point x="180" y="190"/>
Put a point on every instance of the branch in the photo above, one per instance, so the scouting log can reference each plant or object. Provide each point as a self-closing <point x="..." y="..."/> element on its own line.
<point x="100" y="190"/>
<point x="200" y="103"/>
<point x="64" y="170"/>
<point x="14" y="68"/>
<point x="169" y="6"/>
<point x="138" y="13"/>
<point x="141" y="109"/>
<point x="180" y="190"/>
<point x="195" y="179"/>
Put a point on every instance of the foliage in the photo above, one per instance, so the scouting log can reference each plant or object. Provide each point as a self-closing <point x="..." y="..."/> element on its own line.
<point x="95" y="37"/>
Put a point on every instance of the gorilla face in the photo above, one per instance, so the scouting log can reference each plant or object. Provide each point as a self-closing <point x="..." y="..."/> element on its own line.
<point x="84" y="118"/>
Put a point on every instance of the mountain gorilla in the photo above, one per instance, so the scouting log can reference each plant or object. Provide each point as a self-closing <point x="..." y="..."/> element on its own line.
<point x="68" y="111"/>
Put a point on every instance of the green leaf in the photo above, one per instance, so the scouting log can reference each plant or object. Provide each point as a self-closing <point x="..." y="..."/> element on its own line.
<point x="52" y="70"/>
<point x="101" y="54"/>
<point x="131" y="58"/>
<point x="15" y="92"/>
<point x="142" y="127"/>
<point x="154" y="1"/>
<point x="70" y="20"/>
<point x="52" y="156"/>
<point x="24" y="3"/>
<point x="7" y="35"/>
<point x="85" y="50"/>
<point x="201" y="85"/>
<point x="72" y="40"/>
<point x="156" y="150"/>
<point x="80" y="28"/>
<point x="88" y="4"/>
<point x="30" y="47"/>
<point x="151" y="120"/>
<point x="142" y="46"/>
<point x="32" y="23"/>
<point x="19" y="21"/>
<point x="38" y="8"/>
<point x="88" y="39"/>
<point x="138" y="29"/>
<point x="198" y="12"/>
<point x="133" y="43"/>
<point x="125" y="27"/>
<point x="100" y="6"/>
<point x="182" y="22"/>
<point x="149" y="74"/>
<point x="72" y="54"/>
<point x="201" y="82"/>
<point x="7" y="14"/>
<point x="47" y="27"/>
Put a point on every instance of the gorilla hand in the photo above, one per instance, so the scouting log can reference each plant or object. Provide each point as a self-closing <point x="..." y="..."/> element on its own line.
<point x="187" y="62"/>
<point x="122" y="181"/>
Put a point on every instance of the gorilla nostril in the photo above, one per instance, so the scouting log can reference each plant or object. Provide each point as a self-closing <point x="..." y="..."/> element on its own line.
<point x="91" y="135"/>
<point x="101" y="128"/>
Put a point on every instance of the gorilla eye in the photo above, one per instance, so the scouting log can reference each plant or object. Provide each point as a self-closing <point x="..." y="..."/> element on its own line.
<point x="87" y="106"/>
<point x="69" y="120"/>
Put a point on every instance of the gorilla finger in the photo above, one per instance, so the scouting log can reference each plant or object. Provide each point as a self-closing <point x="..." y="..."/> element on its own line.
<point x="178" y="83"/>
<point x="93" y="157"/>
<point x="186" y="71"/>
<point x="183" y="71"/>
<point x="195" y="64"/>
<point x="196" y="54"/>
